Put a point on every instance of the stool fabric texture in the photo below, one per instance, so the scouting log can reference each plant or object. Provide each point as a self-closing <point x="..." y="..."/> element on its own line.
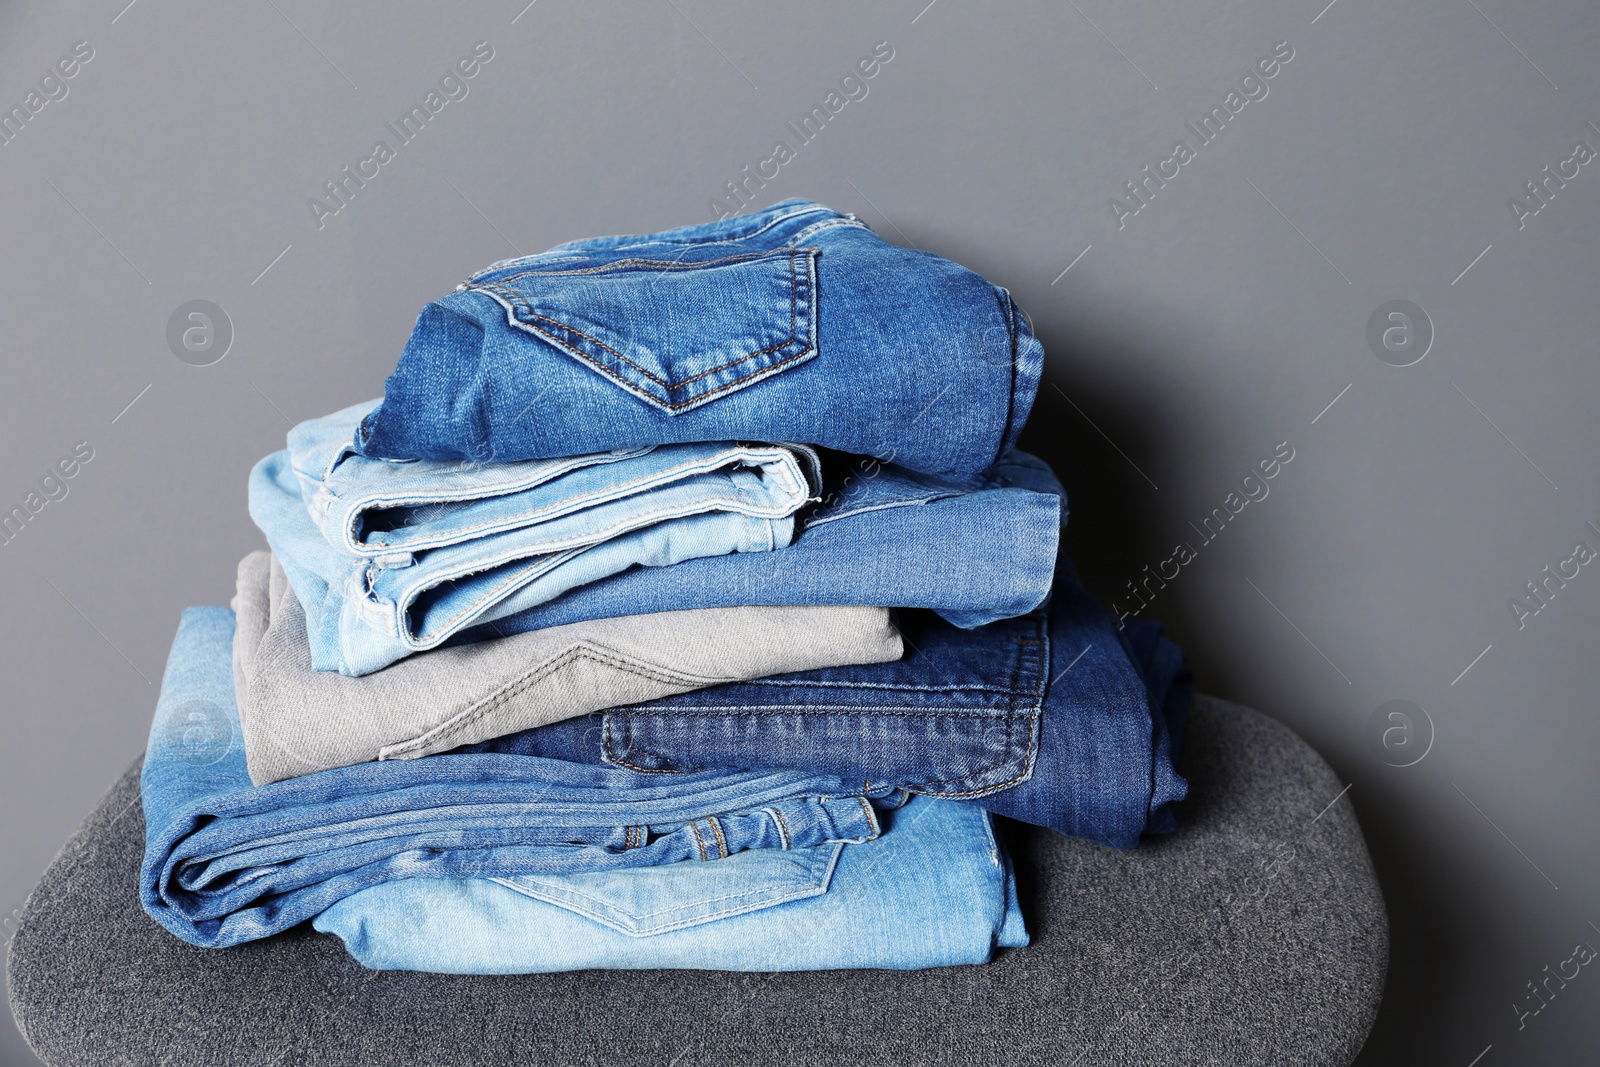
<point x="1255" y="934"/>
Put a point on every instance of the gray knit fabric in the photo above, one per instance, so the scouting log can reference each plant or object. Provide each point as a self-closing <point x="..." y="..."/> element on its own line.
<point x="297" y="720"/>
<point x="1254" y="935"/>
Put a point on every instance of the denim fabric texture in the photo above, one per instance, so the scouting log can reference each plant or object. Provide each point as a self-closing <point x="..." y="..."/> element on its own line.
<point x="392" y="558"/>
<point x="1055" y="718"/>
<point x="881" y="535"/>
<point x="297" y="720"/>
<point x="794" y="323"/>
<point x="227" y="862"/>
<point x="934" y="890"/>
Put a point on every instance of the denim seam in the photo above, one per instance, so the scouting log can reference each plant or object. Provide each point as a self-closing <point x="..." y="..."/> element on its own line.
<point x="758" y="231"/>
<point x="603" y="905"/>
<point x="826" y="224"/>
<point x="872" y="821"/>
<point x="1011" y="717"/>
<point x="962" y="687"/>
<point x="698" y="839"/>
<point x="359" y="504"/>
<point x="783" y="828"/>
<point x="669" y="476"/>
<point x="402" y="605"/>
<point x="794" y="283"/>
<point x="506" y="264"/>
<point x="840" y="710"/>
<point x="716" y="828"/>
<point x="808" y="350"/>
<point x="1006" y="432"/>
<point x="834" y="516"/>
<point x="516" y="687"/>
<point x="664" y="264"/>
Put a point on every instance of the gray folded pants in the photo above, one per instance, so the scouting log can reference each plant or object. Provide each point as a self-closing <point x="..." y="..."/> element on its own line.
<point x="297" y="720"/>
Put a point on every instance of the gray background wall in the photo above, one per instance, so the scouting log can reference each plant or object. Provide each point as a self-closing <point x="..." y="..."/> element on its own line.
<point x="1223" y="318"/>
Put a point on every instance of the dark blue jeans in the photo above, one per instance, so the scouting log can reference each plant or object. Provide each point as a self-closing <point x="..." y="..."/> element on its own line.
<point x="1056" y="718"/>
<point x="795" y="323"/>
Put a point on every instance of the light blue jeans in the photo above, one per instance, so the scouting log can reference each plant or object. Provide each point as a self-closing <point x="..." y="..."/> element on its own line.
<point x="882" y="535"/>
<point x="391" y="558"/>
<point x="936" y="889"/>
<point x="227" y="862"/>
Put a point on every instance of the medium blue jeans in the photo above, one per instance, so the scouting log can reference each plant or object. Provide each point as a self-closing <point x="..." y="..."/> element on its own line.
<point x="392" y="558"/>
<point x="934" y="890"/>
<point x="226" y="862"/>
<point x="882" y="535"/>
<point x="795" y="323"/>
<point x="1057" y="718"/>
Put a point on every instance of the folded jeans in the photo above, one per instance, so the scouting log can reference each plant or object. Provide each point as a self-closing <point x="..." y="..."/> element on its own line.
<point x="391" y="558"/>
<point x="880" y="535"/>
<point x="935" y="889"/>
<point x="794" y="323"/>
<point x="227" y="862"/>
<point x="1057" y="718"/>
<point x="297" y="720"/>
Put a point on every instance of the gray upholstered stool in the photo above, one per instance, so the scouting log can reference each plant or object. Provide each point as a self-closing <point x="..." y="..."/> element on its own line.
<point x="1254" y="935"/>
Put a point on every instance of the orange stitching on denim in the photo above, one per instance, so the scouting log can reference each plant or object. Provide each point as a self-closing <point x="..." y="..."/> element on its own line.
<point x="702" y="841"/>
<point x="716" y="828"/>
<point x="783" y="828"/>
<point x="872" y="821"/>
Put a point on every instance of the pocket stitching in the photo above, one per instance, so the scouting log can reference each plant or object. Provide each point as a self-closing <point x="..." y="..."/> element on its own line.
<point x="515" y="303"/>
<point x="1010" y="717"/>
<point x="515" y="688"/>
<point x="794" y="283"/>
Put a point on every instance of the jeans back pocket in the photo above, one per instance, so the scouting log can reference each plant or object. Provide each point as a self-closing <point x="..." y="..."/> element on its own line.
<point x="677" y="333"/>
<point x="958" y="717"/>
<point x="646" y="901"/>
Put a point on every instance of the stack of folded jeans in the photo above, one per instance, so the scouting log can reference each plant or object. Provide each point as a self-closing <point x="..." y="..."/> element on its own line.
<point x="684" y="602"/>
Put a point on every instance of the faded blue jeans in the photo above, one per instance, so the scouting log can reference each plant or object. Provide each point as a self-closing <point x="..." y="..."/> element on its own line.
<point x="881" y="535"/>
<point x="795" y="323"/>
<point x="392" y="558"/>
<point x="934" y="890"/>
<point x="227" y="862"/>
<point x="1056" y="718"/>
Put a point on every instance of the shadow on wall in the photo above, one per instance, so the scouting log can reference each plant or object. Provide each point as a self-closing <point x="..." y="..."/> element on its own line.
<point x="1112" y="533"/>
<point x="1115" y="519"/>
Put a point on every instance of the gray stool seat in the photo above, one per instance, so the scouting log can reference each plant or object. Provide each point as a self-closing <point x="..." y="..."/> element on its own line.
<point x="1256" y="934"/>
